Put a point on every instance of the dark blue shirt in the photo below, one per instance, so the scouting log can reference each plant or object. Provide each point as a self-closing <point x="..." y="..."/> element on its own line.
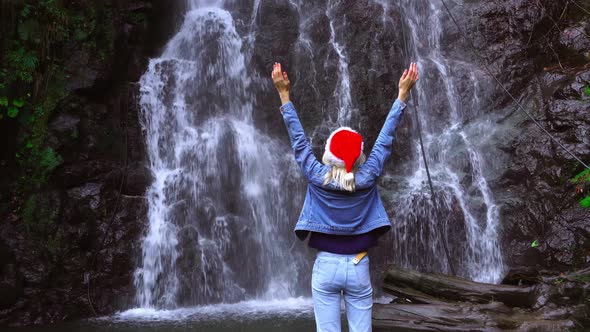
<point x="345" y="244"/>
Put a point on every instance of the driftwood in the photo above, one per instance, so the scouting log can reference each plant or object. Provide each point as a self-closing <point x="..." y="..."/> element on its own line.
<point x="432" y="288"/>
<point x="465" y="317"/>
<point x="444" y="303"/>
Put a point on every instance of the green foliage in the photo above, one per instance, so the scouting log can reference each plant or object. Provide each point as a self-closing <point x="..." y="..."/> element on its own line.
<point x="535" y="244"/>
<point x="33" y="77"/>
<point x="33" y="80"/>
<point x="12" y="112"/>
<point x="587" y="90"/>
<point x="582" y="176"/>
<point x="49" y="160"/>
<point x="18" y="103"/>
<point x="38" y="160"/>
<point x="26" y="11"/>
<point x="38" y="163"/>
<point x="23" y="64"/>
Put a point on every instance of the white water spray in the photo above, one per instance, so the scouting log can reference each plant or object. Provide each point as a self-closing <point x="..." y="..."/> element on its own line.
<point x="456" y="164"/>
<point x="218" y="230"/>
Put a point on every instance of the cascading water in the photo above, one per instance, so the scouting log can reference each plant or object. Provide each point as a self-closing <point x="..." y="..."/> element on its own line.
<point x="219" y="227"/>
<point x="220" y="219"/>
<point x="339" y="109"/>
<point x="342" y="92"/>
<point x="468" y="212"/>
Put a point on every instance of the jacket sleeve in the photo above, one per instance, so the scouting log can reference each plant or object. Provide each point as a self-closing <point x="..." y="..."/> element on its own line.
<point x="303" y="154"/>
<point x="382" y="148"/>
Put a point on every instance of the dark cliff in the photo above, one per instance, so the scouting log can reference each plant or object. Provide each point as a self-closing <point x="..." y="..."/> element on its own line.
<point x="73" y="157"/>
<point x="540" y="51"/>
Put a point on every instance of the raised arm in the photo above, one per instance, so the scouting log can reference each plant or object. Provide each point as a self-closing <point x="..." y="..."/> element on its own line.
<point x="303" y="153"/>
<point x="281" y="81"/>
<point x="382" y="148"/>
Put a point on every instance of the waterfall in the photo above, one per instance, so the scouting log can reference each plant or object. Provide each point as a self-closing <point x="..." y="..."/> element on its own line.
<point x="219" y="218"/>
<point x="342" y="91"/>
<point x="469" y="214"/>
<point x="225" y="195"/>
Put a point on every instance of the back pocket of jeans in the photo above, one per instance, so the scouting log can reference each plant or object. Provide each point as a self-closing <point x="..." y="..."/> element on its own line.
<point x="324" y="272"/>
<point x="363" y="276"/>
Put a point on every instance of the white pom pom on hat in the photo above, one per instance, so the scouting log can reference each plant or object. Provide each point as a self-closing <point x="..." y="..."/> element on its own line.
<point x="344" y="147"/>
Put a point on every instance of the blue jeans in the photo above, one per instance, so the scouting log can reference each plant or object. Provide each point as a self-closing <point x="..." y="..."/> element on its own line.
<point x="334" y="275"/>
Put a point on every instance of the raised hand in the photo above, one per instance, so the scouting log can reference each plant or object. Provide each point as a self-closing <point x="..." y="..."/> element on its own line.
<point x="281" y="81"/>
<point x="407" y="81"/>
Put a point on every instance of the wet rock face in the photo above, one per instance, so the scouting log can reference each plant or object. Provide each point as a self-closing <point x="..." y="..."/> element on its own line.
<point x="302" y="36"/>
<point x="547" y="208"/>
<point x="93" y="206"/>
<point x="528" y="174"/>
<point x="538" y="50"/>
<point x="542" y="60"/>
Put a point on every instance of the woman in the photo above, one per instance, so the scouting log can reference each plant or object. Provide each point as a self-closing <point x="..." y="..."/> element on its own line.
<point x="342" y="212"/>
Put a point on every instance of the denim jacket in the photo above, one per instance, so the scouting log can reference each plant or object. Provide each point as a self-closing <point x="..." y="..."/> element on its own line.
<point x="328" y="209"/>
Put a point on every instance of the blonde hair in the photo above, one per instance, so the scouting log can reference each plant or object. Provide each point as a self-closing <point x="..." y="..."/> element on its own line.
<point x="337" y="172"/>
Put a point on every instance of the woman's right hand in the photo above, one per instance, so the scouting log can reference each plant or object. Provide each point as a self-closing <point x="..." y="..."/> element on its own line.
<point x="407" y="81"/>
<point x="281" y="82"/>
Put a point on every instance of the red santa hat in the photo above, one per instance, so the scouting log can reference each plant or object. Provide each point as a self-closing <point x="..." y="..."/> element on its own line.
<point x="343" y="148"/>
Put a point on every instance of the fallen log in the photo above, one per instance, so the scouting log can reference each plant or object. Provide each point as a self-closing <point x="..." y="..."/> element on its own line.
<point x="445" y="303"/>
<point x="433" y="288"/>
<point x="494" y="316"/>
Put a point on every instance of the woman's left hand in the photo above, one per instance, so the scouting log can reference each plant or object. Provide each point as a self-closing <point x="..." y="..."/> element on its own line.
<point x="407" y="81"/>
